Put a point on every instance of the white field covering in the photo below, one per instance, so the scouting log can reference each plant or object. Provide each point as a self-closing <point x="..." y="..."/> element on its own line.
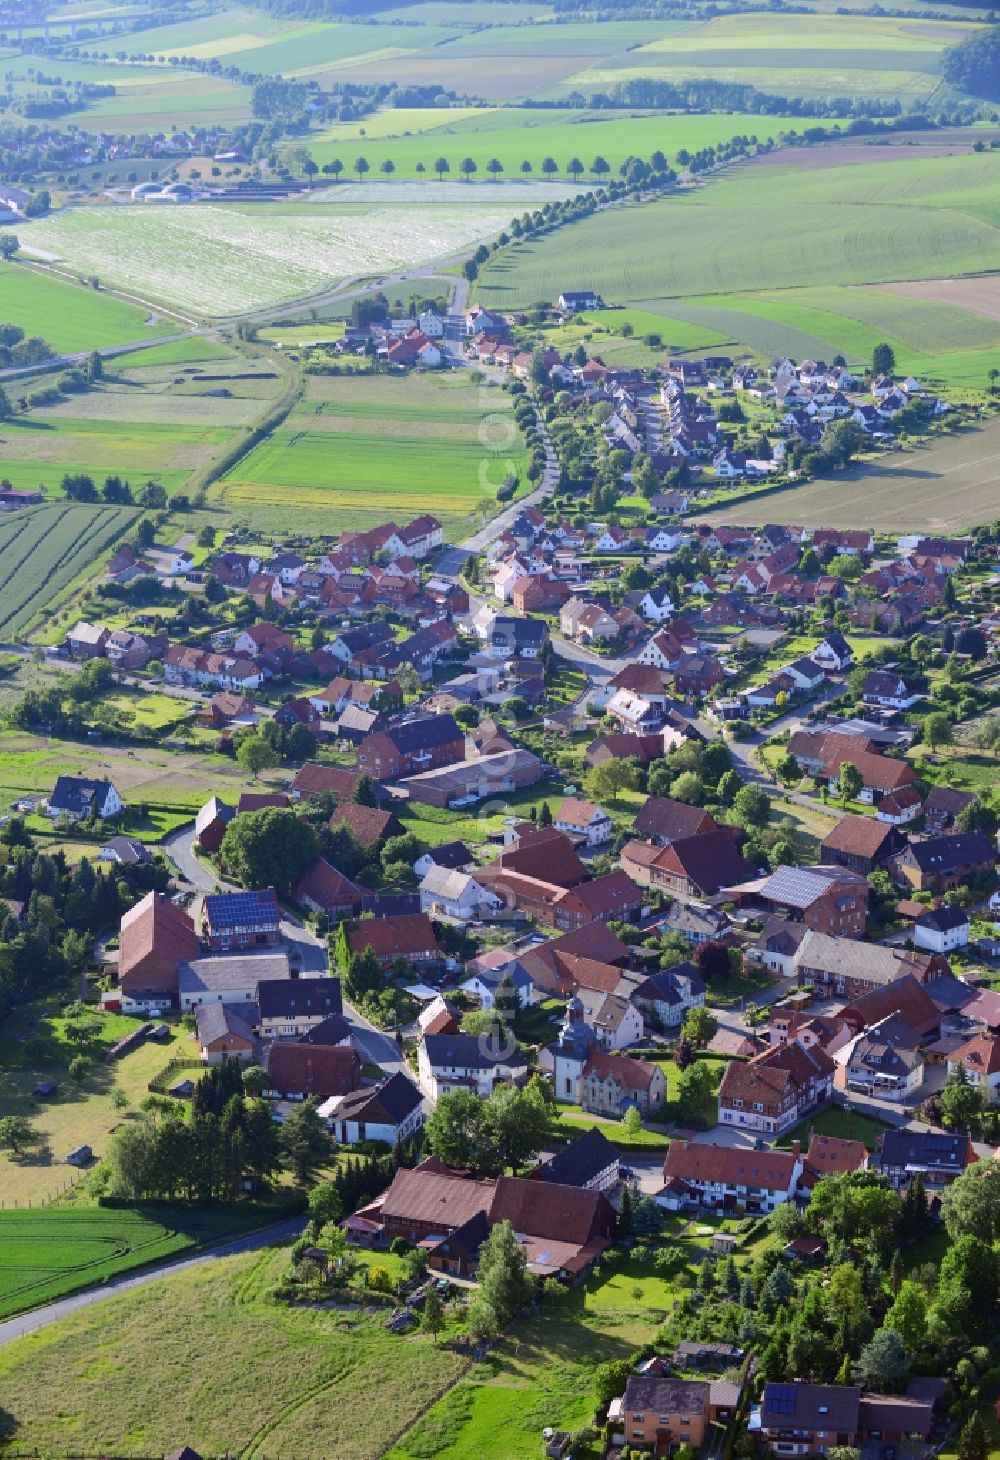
<point x="218" y="260"/>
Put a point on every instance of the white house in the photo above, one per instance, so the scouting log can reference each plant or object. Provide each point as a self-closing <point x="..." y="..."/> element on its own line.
<point x="615" y="1021"/>
<point x="455" y="895"/>
<point x="980" y="1058"/>
<point x="182" y="562"/>
<point x="805" y="674"/>
<point x="664" y="539"/>
<point x="391" y="1112"/>
<point x="656" y="606"/>
<point x="726" y="1178"/>
<point x="834" y="653"/>
<point x="77" y="798"/>
<point x="577" y="818"/>
<point x="884" y="1062"/>
<point x="447" y="1062"/>
<point x="942" y="929"/>
<point x="483" y="986"/>
<point x="431" y="324"/>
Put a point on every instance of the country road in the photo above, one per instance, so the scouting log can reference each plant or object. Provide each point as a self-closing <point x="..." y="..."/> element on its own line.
<point x="15" y="1328"/>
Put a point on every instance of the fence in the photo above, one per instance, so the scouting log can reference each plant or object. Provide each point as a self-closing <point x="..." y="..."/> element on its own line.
<point x="159" y="1084"/>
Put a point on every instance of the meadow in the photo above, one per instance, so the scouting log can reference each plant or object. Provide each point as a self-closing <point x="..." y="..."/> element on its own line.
<point x="947" y="484"/>
<point x="215" y="1333"/>
<point x="43" y="549"/>
<point x="71" y="319"/>
<point x="513" y="135"/>
<point x="218" y="260"/>
<point x="359" y="450"/>
<point x="47" y="1254"/>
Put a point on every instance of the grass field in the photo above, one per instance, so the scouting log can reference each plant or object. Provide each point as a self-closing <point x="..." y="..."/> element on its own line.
<point x="42" y="549"/>
<point x="839" y="226"/>
<point x="949" y="484"/>
<point x="357" y="451"/>
<point x="215" y="1334"/>
<point x="44" y="1255"/>
<point x="520" y="134"/>
<point x="217" y="260"/>
<point x="70" y="318"/>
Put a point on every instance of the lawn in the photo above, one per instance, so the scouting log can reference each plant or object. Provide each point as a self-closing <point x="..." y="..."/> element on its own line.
<point x="33" y="1048"/>
<point x="376" y="447"/>
<point x="849" y="1125"/>
<point x="43" y="549"/>
<point x="219" y="260"/>
<point x="47" y="1254"/>
<point x="215" y="1334"/>
<point x="570" y="1120"/>
<point x="69" y="317"/>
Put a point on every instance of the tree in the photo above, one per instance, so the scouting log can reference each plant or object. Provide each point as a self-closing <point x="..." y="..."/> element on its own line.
<point x="505" y="1285"/>
<point x="305" y="1141"/>
<point x="9" y="246"/>
<point x="432" y="1320"/>
<point x="850" y="780"/>
<point x="960" y="1103"/>
<point x="325" y="1205"/>
<point x="470" y="270"/>
<point x="970" y="1206"/>
<point x="441" y="167"/>
<point x="858" y="1206"/>
<point x="388" y="167"/>
<point x="494" y="167"/>
<point x="883" y="1363"/>
<point x="883" y="360"/>
<point x="610" y="1379"/>
<point x="712" y="959"/>
<point x="752" y="806"/>
<point x="937" y="730"/>
<point x="908" y="1315"/>
<point x="632" y="1121"/>
<point x="467" y="167"/>
<point x="789" y="769"/>
<point x="600" y="166"/>
<point x="453" y="1130"/>
<point x="255" y="755"/>
<point x="610" y="778"/>
<point x="694" y="1090"/>
<point x="361" y="166"/>
<point x="973" y="1443"/>
<point x="700" y="1026"/>
<point x="269" y="848"/>
<point x="575" y="168"/>
<point x="16" y="1135"/>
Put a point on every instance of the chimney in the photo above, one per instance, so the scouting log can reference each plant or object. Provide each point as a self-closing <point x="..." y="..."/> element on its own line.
<point x="796" y="1150"/>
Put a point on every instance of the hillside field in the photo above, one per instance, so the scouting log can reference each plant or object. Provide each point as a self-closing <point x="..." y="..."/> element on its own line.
<point x="69" y="317"/>
<point x="221" y="260"/>
<point x="42" y="550"/>
<point x="46" y="1254"/>
<point x="359" y="450"/>
<point x="948" y="485"/>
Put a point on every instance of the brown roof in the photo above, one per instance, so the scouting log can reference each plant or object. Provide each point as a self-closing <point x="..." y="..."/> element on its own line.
<point x="858" y="836"/>
<point x="904" y="995"/>
<point x="697" y="1161"/>
<point x="587" y="973"/>
<point x="260" y="801"/>
<point x="879" y="771"/>
<point x="577" y="812"/>
<point x="708" y="862"/>
<point x="772" y="1073"/>
<point x="156" y="925"/>
<point x="429" y="1195"/>
<point x="548" y="1209"/>
<point x="312" y="779"/>
<point x="312" y="1069"/>
<point x="613" y="893"/>
<point x="545" y="854"/>
<point x="980" y="1055"/>
<point x="367" y="824"/>
<point x="667" y="820"/>
<point x="394" y="937"/>
<point x="833" y="1156"/>
<point x="632" y="1074"/>
<point x="326" y="886"/>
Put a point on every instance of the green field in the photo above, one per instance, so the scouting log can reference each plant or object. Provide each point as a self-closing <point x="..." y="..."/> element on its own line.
<point x="42" y="550"/>
<point x="44" y="1255"/>
<point x="215" y="1335"/>
<point x="68" y="317"/>
<point x="360" y="450"/>
<point x="514" y="135"/>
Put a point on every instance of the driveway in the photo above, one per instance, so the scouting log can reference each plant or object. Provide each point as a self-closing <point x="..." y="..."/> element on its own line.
<point x="38" y="1318"/>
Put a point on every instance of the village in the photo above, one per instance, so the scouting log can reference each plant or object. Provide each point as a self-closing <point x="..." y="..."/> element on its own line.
<point x="642" y="843"/>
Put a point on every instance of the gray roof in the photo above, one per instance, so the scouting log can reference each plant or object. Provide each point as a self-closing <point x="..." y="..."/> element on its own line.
<point x="307" y="997"/>
<point x="811" y="1406"/>
<point x="581" y="1160"/>
<point x="801" y="886"/>
<point x="665" y="1396"/>
<point x="943" y="919"/>
<point x="389" y="1103"/>
<point x="230" y="971"/>
<point x="216" y="1020"/>
<point x="848" y="958"/>
<point x="79" y="795"/>
<point x="466" y="1052"/>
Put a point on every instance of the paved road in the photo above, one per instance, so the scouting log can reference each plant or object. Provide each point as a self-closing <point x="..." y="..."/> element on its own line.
<point x="108" y="352"/>
<point x="27" y="1323"/>
<point x="304" y="948"/>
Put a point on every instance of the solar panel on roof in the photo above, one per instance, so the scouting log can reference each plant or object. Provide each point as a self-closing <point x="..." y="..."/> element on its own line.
<point x="227" y="908"/>
<point x="780" y="1399"/>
